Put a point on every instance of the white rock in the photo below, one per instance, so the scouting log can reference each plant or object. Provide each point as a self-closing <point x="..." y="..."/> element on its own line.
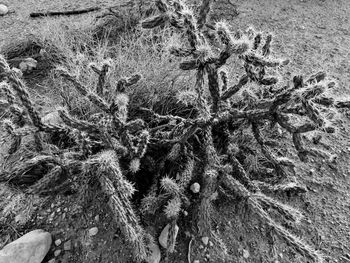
<point x="163" y="238"/>
<point x="333" y="158"/>
<point x="93" y="231"/>
<point x="195" y="188"/>
<point x="246" y="253"/>
<point x="28" y="64"/>
<point x="3" y="10"/>
<point x="58" y="242"/>
<point x="205" y="240"/>
<point x="30" y="248"/>
<point x="155" y="256"/>
<point x="53" y="118"/>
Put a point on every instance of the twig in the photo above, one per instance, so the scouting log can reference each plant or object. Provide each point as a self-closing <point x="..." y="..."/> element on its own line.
<point x="189" y="251"/>
<point x="64" y="13"/>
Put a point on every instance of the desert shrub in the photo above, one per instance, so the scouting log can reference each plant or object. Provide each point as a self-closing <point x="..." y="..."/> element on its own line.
<point x="199" y="131"/>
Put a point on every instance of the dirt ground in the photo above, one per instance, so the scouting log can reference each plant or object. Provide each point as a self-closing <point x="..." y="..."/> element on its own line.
<point x="315" y="35"/>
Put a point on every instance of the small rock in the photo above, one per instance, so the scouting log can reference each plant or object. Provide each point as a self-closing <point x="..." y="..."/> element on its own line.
<point x="30" y="248"/>
<point x="163" y="238"/>
<point x="97" y="218"/>
<point x="51" y="261"/>
<point x="57" y="252"/>
<point x="28" y="64"/>
<point x="333" y="158"/>
<point x="211" y="244"/>
<point x="67" y="245"/>
<point x="20" y="218"/>
<point x="93" y="231"/>
<point x="196" y="261"/>
<point x="155" y="255"/>
<point x="53" y="118"/>
<point x="195" y="188"/>
<point x="246" y="253"/>
<point x="3" y="10"/>
<point x="205" y="240"/>
<point x="58" y="242"/>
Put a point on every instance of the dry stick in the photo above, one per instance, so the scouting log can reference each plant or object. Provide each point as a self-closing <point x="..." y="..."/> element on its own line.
<point x="65" y="13"/>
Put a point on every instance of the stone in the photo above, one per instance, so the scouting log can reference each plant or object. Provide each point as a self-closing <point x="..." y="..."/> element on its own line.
<point x="67" y="245"/>
<point x="51" y="261"/>
<point x="30" y="248"/>
<point x="93" y="231"/>
<point x="97" y="218"/>
<point x="246" y="253"/>
<point x="3" y="10"/>
<point x="53" y="118"/>
<point x="27" y="65"/>
<point x="333" y="158"/>
<point x="196" y="261"/>
<point x="58" y="242"/>
<point x="163" y="238"/>
<point x="155" y="256"/>
<point x="195" y="188"/>
<point x="57" y="252"/>
<point x="205" y="240"/>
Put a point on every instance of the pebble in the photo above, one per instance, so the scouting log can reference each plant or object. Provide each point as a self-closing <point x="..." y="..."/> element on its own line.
<point x="196" y="261"/>
<point x="195" y="188"/>
<point x="67" y="245"/>
<point x="51" y="261"/>
<point x="57" y="253"/>
<point x="93" y="231"/>
<point x="97" y="218"/>
<point x="27" y="65"/>
<point x="246" y="253"/>
<point x="163" y="238"/>
<point x="58" y="242"/>
<point x="205" y="240"/>
<point x="3" y="10"/>
<point x="333" y="158"/>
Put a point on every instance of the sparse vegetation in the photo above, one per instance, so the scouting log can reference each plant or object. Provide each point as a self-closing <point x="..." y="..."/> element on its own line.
<point x="111" y="130"/>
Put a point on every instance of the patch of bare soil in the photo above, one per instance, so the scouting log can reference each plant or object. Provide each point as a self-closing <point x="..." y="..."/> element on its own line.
<point x="315" y="35"/>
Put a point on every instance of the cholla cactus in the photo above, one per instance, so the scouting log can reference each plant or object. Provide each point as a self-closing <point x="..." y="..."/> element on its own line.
<point x="236" y="108"/>
<point x="100" y="144"/>
<point x="227" y="124"/>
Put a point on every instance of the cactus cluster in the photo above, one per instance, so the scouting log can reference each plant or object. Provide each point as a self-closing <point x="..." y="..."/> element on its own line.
<point x="98" y="144"/>
<point x="212" y="147"/>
